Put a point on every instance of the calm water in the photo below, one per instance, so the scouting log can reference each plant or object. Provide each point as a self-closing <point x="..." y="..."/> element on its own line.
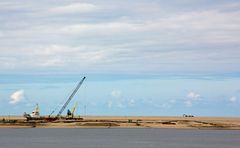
<point x="118" y="138"/>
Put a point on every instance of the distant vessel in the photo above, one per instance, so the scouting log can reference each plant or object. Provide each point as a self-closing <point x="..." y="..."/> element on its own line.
<point x="35" y="115"/>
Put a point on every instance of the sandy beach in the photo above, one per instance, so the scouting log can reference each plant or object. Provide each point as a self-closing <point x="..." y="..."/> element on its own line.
<point x="126" y="122"/>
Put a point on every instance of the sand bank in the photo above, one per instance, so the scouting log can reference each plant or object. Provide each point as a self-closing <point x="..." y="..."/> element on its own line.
<point x="126" y="122"/>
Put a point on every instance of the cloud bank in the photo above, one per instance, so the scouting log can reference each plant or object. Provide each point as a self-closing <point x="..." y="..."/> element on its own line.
<point x="157" y="37"/>
<point x="74" y="8"/>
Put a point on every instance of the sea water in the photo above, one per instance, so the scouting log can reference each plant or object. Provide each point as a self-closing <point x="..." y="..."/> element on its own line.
<point x="118" y="138"/>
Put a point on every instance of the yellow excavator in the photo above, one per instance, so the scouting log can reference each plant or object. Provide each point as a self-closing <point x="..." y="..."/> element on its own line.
<point x="70" y="114"/>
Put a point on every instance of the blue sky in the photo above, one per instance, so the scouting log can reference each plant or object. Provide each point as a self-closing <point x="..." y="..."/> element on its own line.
<point x="140" y="57"/>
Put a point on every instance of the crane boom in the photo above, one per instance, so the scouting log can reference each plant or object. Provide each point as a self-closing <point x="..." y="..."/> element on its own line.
<point x="71" y="96"/>
<point x="74" y="108"/>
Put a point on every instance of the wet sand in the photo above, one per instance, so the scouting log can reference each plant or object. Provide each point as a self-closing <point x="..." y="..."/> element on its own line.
<point x="127" y="122"/>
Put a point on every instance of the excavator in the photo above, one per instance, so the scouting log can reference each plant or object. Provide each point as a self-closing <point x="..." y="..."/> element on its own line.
<point x="70" y="114"/>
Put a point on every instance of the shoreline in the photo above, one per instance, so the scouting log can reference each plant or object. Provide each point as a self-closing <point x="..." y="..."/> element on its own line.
<point x="166" y="122"/>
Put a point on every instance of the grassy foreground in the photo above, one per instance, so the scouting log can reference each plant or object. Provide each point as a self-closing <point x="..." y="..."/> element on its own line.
<point x="126" y="122"/>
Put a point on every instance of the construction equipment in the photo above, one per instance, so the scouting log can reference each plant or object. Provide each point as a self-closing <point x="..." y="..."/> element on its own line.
<point x="70" y="114"/>
<point x="67" y="102"/>
<point x="35" y="115"/>
<point x="71" y="96"/>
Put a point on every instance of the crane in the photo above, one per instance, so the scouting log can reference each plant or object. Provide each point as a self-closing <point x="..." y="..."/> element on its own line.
<point x="69" y="99"/>
<point x="71" y="96"/>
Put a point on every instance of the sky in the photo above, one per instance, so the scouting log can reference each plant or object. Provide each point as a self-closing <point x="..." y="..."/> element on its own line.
<point x="140" y="57"/>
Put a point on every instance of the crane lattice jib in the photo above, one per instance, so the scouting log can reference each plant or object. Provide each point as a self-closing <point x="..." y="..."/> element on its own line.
<point x="71" y="96"/>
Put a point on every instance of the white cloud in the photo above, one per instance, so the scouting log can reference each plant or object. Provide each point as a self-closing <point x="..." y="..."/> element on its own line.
<point x="108" y="28"/>
<point x="233" y="99"/>
<point x="192" y="97"/>
<point x="53" y="62"/>
<point x="7" y="63"/>
<point x="200" y="26"/>
<point x="188" y="103"/>
<point x="74" y="8"/>
<point x="17" y="97"/>
<point x="116" y="93"/>
<point x="53" y="49"/>
<point x="118" y="101"/>
<point x="131" y="102"/>
<point x="120" y="105"/>
<point x="166" y="105"/>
